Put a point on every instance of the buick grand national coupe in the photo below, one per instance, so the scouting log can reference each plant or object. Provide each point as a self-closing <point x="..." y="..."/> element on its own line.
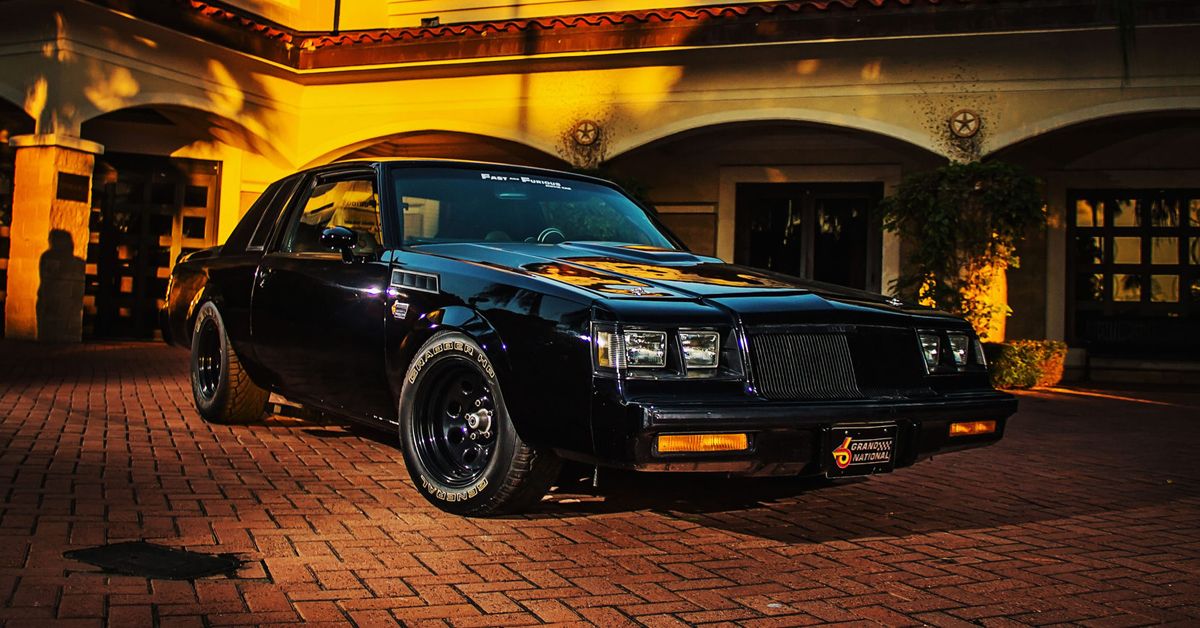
<point x="501" y="319"/>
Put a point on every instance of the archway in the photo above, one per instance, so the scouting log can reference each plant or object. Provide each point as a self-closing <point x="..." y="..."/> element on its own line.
<point x="796" y="197"/>
<point x="453" y="145"/>
<point x="436" y="138"/>
<point x="1035" y="130"/>
<point x="165" y="129"/>
<point x="1121" y="263"/>
<point x="160" y="190"/>
<point x="773" y="116"/>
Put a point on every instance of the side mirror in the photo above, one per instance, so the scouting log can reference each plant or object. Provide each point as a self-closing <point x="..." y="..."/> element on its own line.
<point x="340" y="239"/>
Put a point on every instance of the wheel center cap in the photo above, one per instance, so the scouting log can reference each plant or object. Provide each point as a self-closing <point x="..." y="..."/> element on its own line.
<point x="480" y="419"/>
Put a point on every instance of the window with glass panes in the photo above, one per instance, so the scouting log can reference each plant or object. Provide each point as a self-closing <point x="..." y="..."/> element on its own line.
<point x="1134" y="270"/>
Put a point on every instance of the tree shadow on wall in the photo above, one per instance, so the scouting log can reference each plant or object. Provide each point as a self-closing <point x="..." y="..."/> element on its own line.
<point x="60" y="290"/>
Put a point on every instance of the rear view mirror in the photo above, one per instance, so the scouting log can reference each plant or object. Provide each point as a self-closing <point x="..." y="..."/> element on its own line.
<point x="340" y="239"/>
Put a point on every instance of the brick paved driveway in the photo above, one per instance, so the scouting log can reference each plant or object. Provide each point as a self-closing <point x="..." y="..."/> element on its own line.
<point x="1088" y="512"/>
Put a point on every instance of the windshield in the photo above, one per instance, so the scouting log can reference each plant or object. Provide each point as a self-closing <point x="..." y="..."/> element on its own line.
<point x="469" y="205"/>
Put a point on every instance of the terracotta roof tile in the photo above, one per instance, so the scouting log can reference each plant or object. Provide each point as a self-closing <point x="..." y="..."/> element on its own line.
<point x="244" y="20"/>
<point x="313" y="41"/>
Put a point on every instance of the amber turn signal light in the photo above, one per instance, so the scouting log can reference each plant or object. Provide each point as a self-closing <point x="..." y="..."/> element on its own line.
<point x="972" y="428"/>
<point x="678" y="443"/>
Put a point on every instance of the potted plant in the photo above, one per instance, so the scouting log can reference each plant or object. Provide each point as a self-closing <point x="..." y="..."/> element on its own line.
<point x="960" y="224"/>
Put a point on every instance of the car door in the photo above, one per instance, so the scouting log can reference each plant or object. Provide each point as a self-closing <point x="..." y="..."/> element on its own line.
<point x="317" y="318"/>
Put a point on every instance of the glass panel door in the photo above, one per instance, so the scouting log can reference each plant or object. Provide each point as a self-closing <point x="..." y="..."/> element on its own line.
<point x="146" y="212"/>
<point x="824" y="231"/>
<point x="1134" y="277"/>
<point x="841" y="235"/>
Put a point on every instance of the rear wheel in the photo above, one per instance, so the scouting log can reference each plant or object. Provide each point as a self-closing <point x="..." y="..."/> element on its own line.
<point x="222" y="389"/>
<point x="460" y="446"/>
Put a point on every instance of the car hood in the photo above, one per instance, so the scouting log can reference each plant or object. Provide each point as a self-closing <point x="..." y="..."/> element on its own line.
<point x="630" y="272"/>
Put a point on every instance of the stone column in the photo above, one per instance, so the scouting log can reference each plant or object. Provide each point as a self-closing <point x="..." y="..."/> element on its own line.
<point x="52" y="185"/>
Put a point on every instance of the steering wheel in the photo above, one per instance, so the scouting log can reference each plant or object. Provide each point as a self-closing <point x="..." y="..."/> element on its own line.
<point x="547" y="235"/>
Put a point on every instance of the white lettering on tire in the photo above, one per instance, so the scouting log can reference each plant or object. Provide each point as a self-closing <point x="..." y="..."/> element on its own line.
<point x="454" y="496"/>
<point x="449" y="345"/>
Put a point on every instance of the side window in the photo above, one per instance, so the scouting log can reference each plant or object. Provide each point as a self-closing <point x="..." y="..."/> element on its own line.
<point x="343" y="202"/>
<point x="283" y="192"/>
<point x="241" y="235"/>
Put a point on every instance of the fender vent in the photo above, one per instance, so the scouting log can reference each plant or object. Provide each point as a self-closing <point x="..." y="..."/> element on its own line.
<point x="409" y="280"/>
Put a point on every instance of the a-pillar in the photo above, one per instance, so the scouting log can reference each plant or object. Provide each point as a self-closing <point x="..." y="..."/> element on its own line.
<point x="48" y="238"/>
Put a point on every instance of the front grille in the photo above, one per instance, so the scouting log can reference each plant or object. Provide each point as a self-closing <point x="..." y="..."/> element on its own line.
<point x="803" y="366"/>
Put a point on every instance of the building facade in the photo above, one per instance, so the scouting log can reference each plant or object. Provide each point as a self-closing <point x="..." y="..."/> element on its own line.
<point x="762" y="132"/>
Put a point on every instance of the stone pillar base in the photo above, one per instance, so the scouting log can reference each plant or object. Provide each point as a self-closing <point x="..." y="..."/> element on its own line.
<point x="49" y="237"/>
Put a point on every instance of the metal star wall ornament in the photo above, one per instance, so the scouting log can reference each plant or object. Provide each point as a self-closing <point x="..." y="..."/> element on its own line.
<point x="965" y="123"/>
<point x="586" y="132"/>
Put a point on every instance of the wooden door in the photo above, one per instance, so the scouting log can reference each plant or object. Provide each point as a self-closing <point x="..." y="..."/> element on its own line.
<point x="146" y="211"/>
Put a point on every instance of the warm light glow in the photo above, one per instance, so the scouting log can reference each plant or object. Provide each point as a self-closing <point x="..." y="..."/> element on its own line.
<point x="35" y="98"/>
<point x="604" y="349"/>
<point x="972" y="428"/>
<point x="871" y="70"/>
<point x="224" y="91"/>
<point x="807" y="66"/>
<point x="675" y="443"/>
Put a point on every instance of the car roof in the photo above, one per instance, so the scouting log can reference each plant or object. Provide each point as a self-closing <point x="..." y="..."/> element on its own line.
<point x="462" y="163"/>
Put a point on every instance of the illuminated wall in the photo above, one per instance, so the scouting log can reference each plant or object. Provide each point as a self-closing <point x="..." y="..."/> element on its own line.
<point x="879" y="106"/>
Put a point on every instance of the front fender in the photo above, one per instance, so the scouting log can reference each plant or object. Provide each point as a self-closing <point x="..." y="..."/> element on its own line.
<point x="544" y="406"/>
<point x="403" y="349"/>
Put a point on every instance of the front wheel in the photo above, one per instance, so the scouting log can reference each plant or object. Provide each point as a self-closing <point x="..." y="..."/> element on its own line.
<point x="459" y="444"/>
<point x="222" y="389"/>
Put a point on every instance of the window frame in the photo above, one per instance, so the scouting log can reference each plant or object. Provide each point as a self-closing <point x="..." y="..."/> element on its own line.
<point x="304" y="192"/>
<point x="1143" y="229"/>
<point x="387" y="186"/>
<point x="283" y="190"/>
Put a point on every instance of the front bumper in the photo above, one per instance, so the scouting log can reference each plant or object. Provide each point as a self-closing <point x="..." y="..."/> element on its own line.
<point x="787" y="439"/>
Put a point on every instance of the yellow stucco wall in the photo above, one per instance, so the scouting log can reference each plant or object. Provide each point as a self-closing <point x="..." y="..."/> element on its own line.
<point x="92" y="61"/>
<point x="67" y="64"/>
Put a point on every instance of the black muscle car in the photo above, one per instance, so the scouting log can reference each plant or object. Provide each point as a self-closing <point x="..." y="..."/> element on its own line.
<point x="502" y="318"/>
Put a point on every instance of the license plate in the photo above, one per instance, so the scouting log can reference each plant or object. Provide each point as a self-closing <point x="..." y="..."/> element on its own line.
<point x="860" y="450"/>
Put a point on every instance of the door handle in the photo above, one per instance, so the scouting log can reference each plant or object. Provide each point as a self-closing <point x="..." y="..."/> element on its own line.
<point x="263" y="274"/>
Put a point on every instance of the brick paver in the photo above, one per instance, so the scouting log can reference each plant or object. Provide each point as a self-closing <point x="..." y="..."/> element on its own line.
<point x="1088" y="512"/>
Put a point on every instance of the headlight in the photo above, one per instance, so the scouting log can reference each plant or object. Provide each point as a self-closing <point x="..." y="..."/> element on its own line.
<point x="645" y="349"/>
<point x="980" y="358"/>
<point x="631" y="349"/>
<point x="958" y="347"/>
<point x="931" y="349"/>
<point x="701" y="349"/>
<point x="638" y="352"/>
<point x="610" y="353"/>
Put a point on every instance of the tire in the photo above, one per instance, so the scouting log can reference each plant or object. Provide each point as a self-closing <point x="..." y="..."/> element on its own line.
<point x="223" y="391"/>
<point x="449" y="394"/>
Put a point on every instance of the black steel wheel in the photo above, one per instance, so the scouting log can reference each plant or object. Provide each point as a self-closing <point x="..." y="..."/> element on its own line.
<point x="222" y="389"/>
<point x="208" y="358"/>
<point x="453" y="422"/>
<point x="460" y="446"/>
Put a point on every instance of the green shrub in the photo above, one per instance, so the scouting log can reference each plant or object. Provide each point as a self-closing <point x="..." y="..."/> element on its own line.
<point x="1026" y="363"/>
<point x="965" y="220"/>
